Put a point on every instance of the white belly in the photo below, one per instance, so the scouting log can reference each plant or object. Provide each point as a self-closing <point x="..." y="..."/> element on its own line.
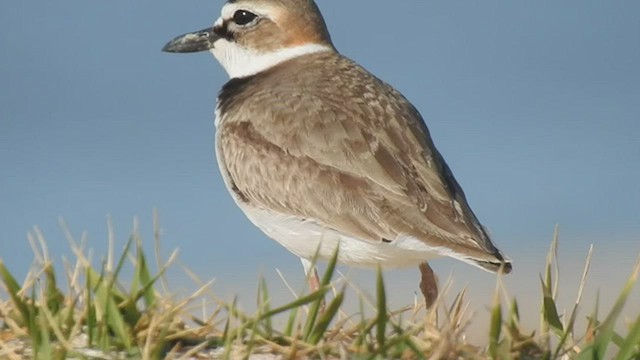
<point x="306" y="238"/>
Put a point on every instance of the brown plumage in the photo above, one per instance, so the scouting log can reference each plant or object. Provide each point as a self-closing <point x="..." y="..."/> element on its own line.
<point x="319" y="153"/>
<point x="340" y="146"/>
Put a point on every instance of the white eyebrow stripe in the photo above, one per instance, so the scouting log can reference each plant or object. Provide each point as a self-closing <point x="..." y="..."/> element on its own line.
<point x="230" y="8"/>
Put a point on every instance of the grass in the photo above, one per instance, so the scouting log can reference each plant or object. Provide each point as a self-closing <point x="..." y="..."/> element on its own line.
<point x="97" y="316"/>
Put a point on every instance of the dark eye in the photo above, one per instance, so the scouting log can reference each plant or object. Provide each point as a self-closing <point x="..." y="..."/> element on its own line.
<point x="243" y="17"/>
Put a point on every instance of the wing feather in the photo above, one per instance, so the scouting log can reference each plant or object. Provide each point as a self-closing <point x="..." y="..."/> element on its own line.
<point x="366" y="167"/>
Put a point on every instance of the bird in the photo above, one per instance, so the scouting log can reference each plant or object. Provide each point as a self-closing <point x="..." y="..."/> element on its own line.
<point x="320" y="154"/>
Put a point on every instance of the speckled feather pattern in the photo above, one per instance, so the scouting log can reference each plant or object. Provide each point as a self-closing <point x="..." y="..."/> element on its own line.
<point x="319" y="139"/>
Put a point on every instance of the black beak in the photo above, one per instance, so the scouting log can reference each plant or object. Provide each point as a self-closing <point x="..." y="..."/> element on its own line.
<point x="202" y="40"/>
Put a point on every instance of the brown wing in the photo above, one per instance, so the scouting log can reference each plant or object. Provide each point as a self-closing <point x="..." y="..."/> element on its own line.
<point x="366" y="167"/>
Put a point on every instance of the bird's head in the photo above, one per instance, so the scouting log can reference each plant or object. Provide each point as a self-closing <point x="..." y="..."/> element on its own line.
<point x="253" y="35"/>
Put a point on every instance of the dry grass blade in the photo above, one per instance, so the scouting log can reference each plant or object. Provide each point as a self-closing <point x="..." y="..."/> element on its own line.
<point x="568" y="332"/>
<point x="137" y="321"/>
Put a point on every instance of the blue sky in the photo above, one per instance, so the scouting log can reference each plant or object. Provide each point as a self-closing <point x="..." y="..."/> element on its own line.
<point x="535" y="106"/>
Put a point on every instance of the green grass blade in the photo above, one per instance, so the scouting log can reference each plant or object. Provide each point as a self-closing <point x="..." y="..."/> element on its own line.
<point x="291" y="323"/>
<point x="36" y="332"/>
<point x="251" y="343"/>
<point x="147" y="279"/>
<point x="90" y="313"/>
<point x="264" y="305"/>
<point x="326" y="318"/>
<point x="617" y="339"/>
<point x="55" y="298"/>
<point x="112" y="320"/>
<point x="547" y="288"/>
<point x="44" y="347"/>
<point x="314" y="308"/>
<point x="631" y="343"/>
<point x="13" y="288"/>
<point x="495" y="328"/>
<point x="69" y="318"/>
<point x="227" y="336"/>
<point x="143" y="275"/>
<point x="550" y="311"/>
<point x="148" y="290"/>
<point x="514" y="315"/>
<point x="227" y="326"/>
<point x="606" y="332"/>
<point x="121" y="261"/>
<point x="128" y="304"/>
<point x="116" y="322"/>
<point x="331" y="268"/>
<point x="362" y="333"/>
<point x="249" y="323"/>
<point x="311" y="298"/>
<point x="382" y="318"/>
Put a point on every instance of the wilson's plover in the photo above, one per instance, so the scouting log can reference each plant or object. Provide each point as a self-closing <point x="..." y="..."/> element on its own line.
<point x="318" y="152"/>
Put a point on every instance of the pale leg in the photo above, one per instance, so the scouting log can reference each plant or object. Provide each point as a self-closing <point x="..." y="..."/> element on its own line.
<point x="313" y="278"/>
<point x="312" y="274"/>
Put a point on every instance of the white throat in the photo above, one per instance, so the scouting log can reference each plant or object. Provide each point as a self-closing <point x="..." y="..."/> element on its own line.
<point x="240" y="62"/>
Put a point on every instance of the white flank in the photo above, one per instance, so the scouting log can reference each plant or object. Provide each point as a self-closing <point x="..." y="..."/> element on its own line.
<point x="305" y="238"/>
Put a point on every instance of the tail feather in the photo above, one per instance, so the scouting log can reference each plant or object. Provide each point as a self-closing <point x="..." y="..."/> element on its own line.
<point x="494" y="266"/>
<point x="499" y="265"/>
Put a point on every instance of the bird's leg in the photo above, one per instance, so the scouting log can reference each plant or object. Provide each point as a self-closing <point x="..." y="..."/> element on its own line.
<point x="312" y="277"/>
<point x="428" y="284"/>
